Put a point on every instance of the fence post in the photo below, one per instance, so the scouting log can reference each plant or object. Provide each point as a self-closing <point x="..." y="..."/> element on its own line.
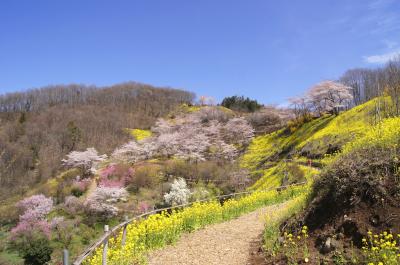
<point x="65" y="257"/>
<point x="105" y="246"/>
<point x="124" y="231"/>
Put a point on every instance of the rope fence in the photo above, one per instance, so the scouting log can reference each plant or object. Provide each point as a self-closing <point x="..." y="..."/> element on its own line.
<point x="115" y="230"/>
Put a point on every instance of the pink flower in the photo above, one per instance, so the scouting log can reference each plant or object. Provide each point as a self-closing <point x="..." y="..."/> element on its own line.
<point x="27" y="229"/>
<point x="81" y="185"/>
<point x="111" y="183"/>
<point x="108" y="171"/>
<point x="143" y="207"/>
<point x="35" y="207"/>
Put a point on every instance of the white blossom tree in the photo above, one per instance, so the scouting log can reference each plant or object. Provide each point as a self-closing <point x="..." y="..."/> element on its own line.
<point x="101" y="201"/>
<point x="329" y="96"/>
<point x="134" y="151"/>
<point x="326" y="96"/>
<point x="178" y="194"/>
<point x="238" y="130"/>
<point x="206" y="134"/>
<point x="85" y="160"/>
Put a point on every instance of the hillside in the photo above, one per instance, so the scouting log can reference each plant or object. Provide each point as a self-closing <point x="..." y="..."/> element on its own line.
<point x="355" y="197"/>
<point x="196" y="153"/>
<point x="40" y="126"/>
<point x="190" y="147"/>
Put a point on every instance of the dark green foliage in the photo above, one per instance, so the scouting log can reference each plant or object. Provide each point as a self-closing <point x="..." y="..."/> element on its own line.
<point x="76" y="192"/>
<point x="35" y="251"/>
<point x="240" y="103"/>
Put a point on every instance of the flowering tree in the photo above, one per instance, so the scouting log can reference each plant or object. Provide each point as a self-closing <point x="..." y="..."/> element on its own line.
<point x="85" y="160"/>
<point x="134" y="151"/>
<point x="143" y="207"/>
<point x="224" y="151"/>
<point x="35" y="208"/>
<point x="179" y="193"/>
<point x="73" y="205"/>
<point x="162" y="126"/>
<point x="193" y="144"/>
<point x="301" y="106"/>
<point x="100" y="201"/>
<point x="80" y="186"/>
<point x="115" y="175"/>
<point x="238" y="130"/>
<point x="328" y="96"/>
<point x="205" y="134"/>
<point x="32" y="220"/>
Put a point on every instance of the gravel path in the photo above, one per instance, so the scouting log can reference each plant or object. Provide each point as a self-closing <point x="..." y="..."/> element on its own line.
<point x="227" y="243"/>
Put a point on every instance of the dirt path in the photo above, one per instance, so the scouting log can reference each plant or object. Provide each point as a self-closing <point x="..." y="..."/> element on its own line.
<point x="228" y="243"/>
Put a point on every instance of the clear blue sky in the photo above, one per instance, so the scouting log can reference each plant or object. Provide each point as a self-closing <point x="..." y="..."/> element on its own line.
<point x="269" y="50"/>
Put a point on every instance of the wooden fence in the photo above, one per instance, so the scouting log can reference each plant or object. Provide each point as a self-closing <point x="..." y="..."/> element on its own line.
<point x="115" y="230"/>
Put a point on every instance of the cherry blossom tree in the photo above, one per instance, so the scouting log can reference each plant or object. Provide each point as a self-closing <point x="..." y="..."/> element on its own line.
<point x="329" y="96"/>
<point x="85" y="160"/>
<point x="205" y="134"/>
<point x="238" y="130"/>
<point x="162" y="126"/>
<point x="134" y="151"/>
<point x="33" y="219"/>
<point x="35" y="207"/>
<point x="101" y="201"/>
<point x="326" y="96"/>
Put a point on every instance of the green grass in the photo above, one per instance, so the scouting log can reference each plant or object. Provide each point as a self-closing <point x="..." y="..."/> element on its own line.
<point x="275" y="219"/>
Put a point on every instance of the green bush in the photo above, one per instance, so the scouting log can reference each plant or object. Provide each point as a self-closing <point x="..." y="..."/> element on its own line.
<point x="36" y="251"/>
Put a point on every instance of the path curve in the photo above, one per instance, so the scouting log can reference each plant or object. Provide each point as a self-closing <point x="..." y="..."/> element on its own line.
<point x="227" y="243"/>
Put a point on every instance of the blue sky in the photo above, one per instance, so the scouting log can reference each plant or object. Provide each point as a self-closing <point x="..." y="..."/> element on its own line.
<point x="269" y="50"/>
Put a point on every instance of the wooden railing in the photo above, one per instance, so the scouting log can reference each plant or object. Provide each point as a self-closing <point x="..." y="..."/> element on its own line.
<point x="115" y="230"/>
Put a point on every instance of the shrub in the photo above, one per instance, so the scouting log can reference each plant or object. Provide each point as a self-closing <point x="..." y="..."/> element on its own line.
<point x="179" y="193"/>
<point x="37" y="251"/>
<point x="79" y="187"/>
<point x="140" y="134"/>
<point x="143" y="207"/>
<point x="116" y="176"/>
<point x="294" y="174"/>
<point x="207" y="114"/>
<point x="72" y="205"/>
<point x="147" y="176"/>
<point x="200" y="192"/>
<point x="266" y="121"/>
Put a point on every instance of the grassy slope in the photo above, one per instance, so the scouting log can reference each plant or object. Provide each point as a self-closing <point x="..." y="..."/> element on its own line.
<point x="265" y="157"/>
